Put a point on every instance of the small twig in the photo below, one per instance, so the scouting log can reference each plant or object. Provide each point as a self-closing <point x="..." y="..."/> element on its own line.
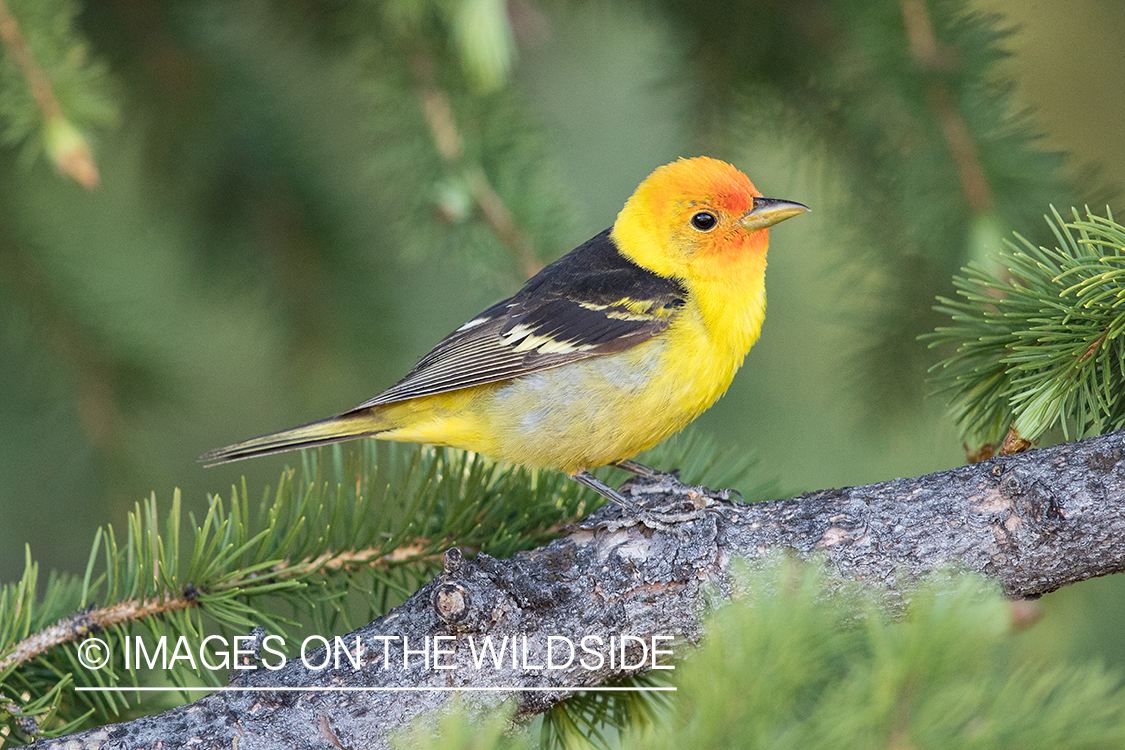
<point x="1093" y="347"/>
<point x="974" y="183"/>
<point x="439" y="116"/>
<point x="933" y="56"/>
<point x="358" y="558"/>
<point x="447" y="139"/>
<point x="503" y="224"/>
<point x="80" y="625"/>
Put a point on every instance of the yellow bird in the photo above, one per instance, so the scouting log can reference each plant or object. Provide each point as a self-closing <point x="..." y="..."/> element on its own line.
<point x="603" y="353"/>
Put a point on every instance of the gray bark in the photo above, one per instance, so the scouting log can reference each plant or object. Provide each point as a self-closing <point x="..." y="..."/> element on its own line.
<point x="1033" y="522"/>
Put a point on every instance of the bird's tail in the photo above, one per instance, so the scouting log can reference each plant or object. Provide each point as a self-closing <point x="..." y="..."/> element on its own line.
<point x="336" y="429"/>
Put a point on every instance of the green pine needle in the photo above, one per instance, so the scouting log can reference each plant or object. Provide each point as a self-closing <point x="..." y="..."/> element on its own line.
<point x="1039" y="342"/>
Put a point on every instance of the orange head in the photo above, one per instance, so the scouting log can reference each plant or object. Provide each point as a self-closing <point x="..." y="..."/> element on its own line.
<point x="698" y="218"/>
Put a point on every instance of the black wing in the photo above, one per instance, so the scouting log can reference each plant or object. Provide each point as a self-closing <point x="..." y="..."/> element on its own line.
<point x="592" y="301"/>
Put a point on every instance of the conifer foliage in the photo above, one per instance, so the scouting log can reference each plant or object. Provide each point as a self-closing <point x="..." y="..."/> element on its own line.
<point x="1039" y="334"/>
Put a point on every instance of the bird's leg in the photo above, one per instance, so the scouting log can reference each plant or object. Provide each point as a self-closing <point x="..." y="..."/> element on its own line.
<point x="642" y="471"/>
<point x="600" y="487"/>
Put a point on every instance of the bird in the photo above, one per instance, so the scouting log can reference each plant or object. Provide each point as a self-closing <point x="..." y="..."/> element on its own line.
<point x="603" y="353"/>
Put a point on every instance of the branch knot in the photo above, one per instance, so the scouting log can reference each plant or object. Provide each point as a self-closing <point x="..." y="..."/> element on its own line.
<point x="451" y="602"/>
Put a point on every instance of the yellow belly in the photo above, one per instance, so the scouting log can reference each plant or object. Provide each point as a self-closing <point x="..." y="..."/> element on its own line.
<point x="582" y="415"/>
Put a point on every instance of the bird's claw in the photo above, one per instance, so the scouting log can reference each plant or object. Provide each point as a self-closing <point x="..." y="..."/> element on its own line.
<point x="669" y="484"/>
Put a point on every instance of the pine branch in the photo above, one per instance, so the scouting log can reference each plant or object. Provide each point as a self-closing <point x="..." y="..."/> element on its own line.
<point x="1039" y="339"/>
<point x="86" y="622"/>
<point x="306" y="547"/>
<point x="1032" y="522"/>
<point x="83" y="624"/>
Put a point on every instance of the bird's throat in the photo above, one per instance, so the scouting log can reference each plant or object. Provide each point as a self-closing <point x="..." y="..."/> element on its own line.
<point x="732" y="305"/>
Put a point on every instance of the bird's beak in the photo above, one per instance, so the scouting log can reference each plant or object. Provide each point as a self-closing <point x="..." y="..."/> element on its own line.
<point x="769" y="211"/>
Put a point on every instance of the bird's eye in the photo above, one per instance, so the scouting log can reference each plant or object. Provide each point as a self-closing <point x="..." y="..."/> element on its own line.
<point x="704" y="220"/>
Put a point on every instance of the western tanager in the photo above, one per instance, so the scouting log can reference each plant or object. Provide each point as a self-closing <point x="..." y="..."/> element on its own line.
<point x="603" y="353"/>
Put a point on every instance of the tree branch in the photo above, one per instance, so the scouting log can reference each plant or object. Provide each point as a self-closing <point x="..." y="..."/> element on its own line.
<point x="1033" y="522"/>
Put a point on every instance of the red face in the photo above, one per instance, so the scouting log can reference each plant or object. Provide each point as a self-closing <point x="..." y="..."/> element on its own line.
<point x="708" y="201"/>
<point x="699" y="218"/>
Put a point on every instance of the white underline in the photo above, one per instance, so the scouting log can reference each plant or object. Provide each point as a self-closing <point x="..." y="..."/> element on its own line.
<point x="348" y="689"/>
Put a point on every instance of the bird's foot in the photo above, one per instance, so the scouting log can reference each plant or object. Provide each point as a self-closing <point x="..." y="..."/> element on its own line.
<point x="670" y="484"/>
<point x="667" y="482"/>
<point x="657" y="500"/>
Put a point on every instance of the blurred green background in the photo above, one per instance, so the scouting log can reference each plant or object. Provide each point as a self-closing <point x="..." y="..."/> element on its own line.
<point x="278" y="236"/>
